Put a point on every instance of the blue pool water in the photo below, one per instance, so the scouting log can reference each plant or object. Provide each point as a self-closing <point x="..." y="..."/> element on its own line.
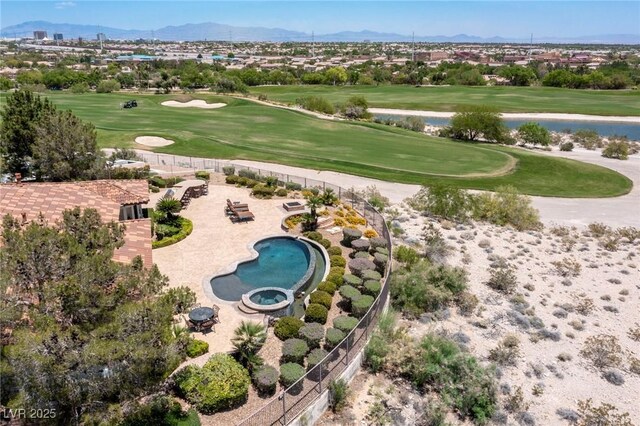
<point x="281" y="262"/>
<point x="630" y="130"/>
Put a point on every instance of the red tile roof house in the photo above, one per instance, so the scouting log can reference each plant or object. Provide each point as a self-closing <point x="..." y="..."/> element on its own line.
<point x="115" y="200"/>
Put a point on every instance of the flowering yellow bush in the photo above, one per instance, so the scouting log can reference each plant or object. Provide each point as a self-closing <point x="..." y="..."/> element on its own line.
<point x="339" y="213"/>
<point x="370" y="233"/>
<point x="356" y="220"/>
<point x="339" y="222"/>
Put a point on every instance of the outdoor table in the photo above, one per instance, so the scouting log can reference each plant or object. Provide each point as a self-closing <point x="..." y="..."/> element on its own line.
<point x="202" y="314"/>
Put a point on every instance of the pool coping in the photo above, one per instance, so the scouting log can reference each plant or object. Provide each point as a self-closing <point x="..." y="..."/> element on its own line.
<point x="246" y="300"/>
<point x="253" y="254"/>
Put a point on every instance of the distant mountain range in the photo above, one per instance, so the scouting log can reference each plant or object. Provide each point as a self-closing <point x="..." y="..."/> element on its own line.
<point x="220" y="32"/>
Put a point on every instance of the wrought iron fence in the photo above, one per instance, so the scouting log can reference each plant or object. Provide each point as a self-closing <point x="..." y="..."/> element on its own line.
<point x="290" y="403"/>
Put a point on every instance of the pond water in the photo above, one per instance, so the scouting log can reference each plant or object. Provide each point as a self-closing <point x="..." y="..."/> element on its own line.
<point x="630" y="130"/>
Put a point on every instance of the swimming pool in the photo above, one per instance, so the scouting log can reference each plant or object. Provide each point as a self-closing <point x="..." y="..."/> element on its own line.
<point x="282" y="262"/>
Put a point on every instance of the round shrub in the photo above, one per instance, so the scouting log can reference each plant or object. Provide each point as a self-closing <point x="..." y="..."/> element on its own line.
<point x="222" y="383"/>
<point x="316" y="313"/>
<point x="312" y="333"/>
<point x="349" y="235"/>
<point x="337" y="261"/>
<point x="349" y="292"/>
<point x="321" y="297"/>
<point x="290" y="373"/>
<point x="265" y="379"/>
<point x="333" y="338"/>
<point x="196" y="348"/>
<point x="377" y="242"/>
<point x="315" y="357"/>
<point x="334" y="251"/>
<point x="380" y="261"/>
<point x="335" y="278"/>
<point x="358" y="266"/>
<point x="344" y="323"/>
<point x="294" y="350"/>
<point x="360" y="255"/>
<point x="281" y="192"/>
<point x="360" y="245"/>
<point x="352" y="280"/>
<point x="287" y="327"/>
<point x="372" y="288"/>
<point x="328" y="287"/>
<point x="382" y="250"/>
<point x="361" y="305"/>
<point x="325" y="243"/>
<point x="371" y="275"/>
<point x="313" y="235"/>
<point x="337" y="270"/>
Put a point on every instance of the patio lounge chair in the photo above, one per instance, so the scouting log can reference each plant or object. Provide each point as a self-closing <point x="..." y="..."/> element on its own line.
<point x="208" y="325"/>
<point x="231" y="208"/>
<point x="236" y="204"/>
<point x="240" y="216"/>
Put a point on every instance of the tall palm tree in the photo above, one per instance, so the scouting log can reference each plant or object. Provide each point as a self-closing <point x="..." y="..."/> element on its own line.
<point x="313" y="203"/>
<point x="248" y="338"/>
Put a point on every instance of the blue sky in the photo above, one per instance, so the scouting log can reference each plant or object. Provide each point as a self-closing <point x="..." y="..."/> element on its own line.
<point x="481" y="18"/>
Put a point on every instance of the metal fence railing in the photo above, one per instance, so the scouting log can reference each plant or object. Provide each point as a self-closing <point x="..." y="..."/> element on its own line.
<point x="290" y="403"/>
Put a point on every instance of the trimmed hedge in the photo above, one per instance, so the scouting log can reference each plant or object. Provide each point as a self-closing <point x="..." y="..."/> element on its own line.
<point x="349" y="292"/>
<point x="335" y="278"/>
<point x="378" y="242"/>
<point x="382" y="250"/>
<point x="265" y="379"/>
<point x="263" y="191"/>
<point x="333" y="338"/>
<point x="361" y="305"/>
<point x="325" y="243"/>
<point x="312" y="333"/>
<point x="292" y="186"/>
<point x="358" y="266"/>
<point x="345" y="324"/>
<point x="232" y="179"/>
<point x="321" y="297"/>
<point x="287" y="327"/>
<point x="290" y="373"/>
<point x="222" y="383"/>
<point x="196" y="348"/>
<point x="294" y="350"/>
<point x="328" y="287"/>
<point x="281" y="192"/>
<point x="316" y="313"/>
<point x="360" y="255"/>
<point x="186" y="227"/>
<point x="349" y="235"/>
<point x="371" y="275"/>
<point x="334" y="251"/>
<point x="337" y="270"/>
<point x="315" y="357"/>
<point x="201" y="174"/>
<point x="372" y="288"/>
<point x="360" y="245"/>
<point x="380" y="261"/>
<point x="337" y="261"/>
<point x="352" y="280"/>
<point x="313" y="235"/>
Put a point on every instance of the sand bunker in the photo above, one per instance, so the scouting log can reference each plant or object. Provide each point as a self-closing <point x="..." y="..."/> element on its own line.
<point x="153" y="141"/>
<point x="193" y="104"/>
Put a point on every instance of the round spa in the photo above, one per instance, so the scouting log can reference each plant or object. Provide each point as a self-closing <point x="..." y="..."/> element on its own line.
<point x="268" y="299"/>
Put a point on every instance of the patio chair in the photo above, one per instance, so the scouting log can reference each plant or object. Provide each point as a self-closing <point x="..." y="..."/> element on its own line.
<point x="208" y="325"/>
<point x="192" y="325"/>
<point x="241" y="216"/>
<point x="236" y="204"/>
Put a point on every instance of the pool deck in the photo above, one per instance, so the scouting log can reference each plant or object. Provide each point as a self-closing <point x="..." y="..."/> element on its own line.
<point x="215" y="243"/>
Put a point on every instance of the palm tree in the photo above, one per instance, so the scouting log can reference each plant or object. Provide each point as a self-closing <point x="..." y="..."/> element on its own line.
<point x="168" y="209"/>
<point x="248" y="339"/>
<point x="313" y="203"/>
<point x="329" y="197"/>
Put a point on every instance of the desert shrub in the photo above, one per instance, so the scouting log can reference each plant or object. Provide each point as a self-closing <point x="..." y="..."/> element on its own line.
<point x="337" y="270"/>
<point x="515" y="402"/>
<point x="222" y="383"/>
<point x="333" y="338"/>
<point x="334" y="251"/>
<point x="507" y="351"/>
<point x="337" y="261"/>
<point x="630" y="233"/>
<point x="196" y="348"/>
<point x="605" y="414"/>
<point x="262" y="191"/>
<point x="352" y="280"/>
<point x="589" y="139"/>
<point x="107" y="86"/>
<point x="294" y="350"/>
<point x="507" y="207"/>
<point x="247" y="173"/>
<point x="634" y="332"/>
<point x="321" y="298"/>
<point x="315" y="357"/>
<point x="313" y="235"/>
<point x="406" y="255"/>
<point x="349" y="292"/>
<point x="292" y="186"/>
<point x="202" y="174"/>
<point x="158" y="181"/>
<point x="360" y="245"/>
<point x="380" y="260"/>
<point x="228" y="170"/>
<point x="312" y="333"/>
<point x="316" y="313"/>
<point x="325" y="243"/>
<point x="566" y="146"/>
<point x="327" y="287"/>
<point x="377" y="242"/>
<point x="361" y="305"/>
<point x="335" y="278"/>
<point x="598" y="229"/>
<point x="372" y="288"/>
<point x="232" y="179"/>
<point x="467" y="303"/>
<point x="436" y="248"/>
<point x="371" y="275"/>
<point x="426" y="288"/>
<point x="503" y="279"/>
<point x="360" y="255"/>
<point x="375" y="353"/>
<point x="338" y="394"/>
<point x="287" y="327"/>
<point x="281" y="192"/>
<point x="345" y="324"/>
<point x="349" y="235"/>
<point x="265" y="379"/>
<point x="567" y="267"/>
<point x="602" y="350"/>
<point x="290" y="373"/>
<point x="316" y="103"/>
<point x="181" y="299"/>
<point x="359" y="265"/>
<point x="443" y="201"/>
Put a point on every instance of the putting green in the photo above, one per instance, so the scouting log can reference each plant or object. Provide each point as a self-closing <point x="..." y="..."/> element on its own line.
<point x="246" y="130"/>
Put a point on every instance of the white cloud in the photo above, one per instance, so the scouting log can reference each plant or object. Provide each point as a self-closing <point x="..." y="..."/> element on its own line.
<point x="64" y="4"/>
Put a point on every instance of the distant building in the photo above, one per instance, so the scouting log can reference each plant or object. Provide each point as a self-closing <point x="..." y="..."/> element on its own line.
<point x="431" y="56"/>
<point x="101" y="37"/>
<point x="58" y="37"/>
<point x="39" y="35"/>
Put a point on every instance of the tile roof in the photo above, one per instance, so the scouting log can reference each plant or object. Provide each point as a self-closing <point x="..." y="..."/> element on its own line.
<point x="121" y="193"/>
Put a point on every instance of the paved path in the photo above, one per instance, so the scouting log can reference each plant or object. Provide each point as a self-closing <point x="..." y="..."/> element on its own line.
<point x="618" y="211"/>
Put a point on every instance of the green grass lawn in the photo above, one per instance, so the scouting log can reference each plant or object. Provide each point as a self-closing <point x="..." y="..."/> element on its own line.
<point x="246" y="130"/>
<point x="447" y="98"/>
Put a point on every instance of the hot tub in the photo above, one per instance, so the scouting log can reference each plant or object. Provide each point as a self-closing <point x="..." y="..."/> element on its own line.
<point x="268" y="299"/>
